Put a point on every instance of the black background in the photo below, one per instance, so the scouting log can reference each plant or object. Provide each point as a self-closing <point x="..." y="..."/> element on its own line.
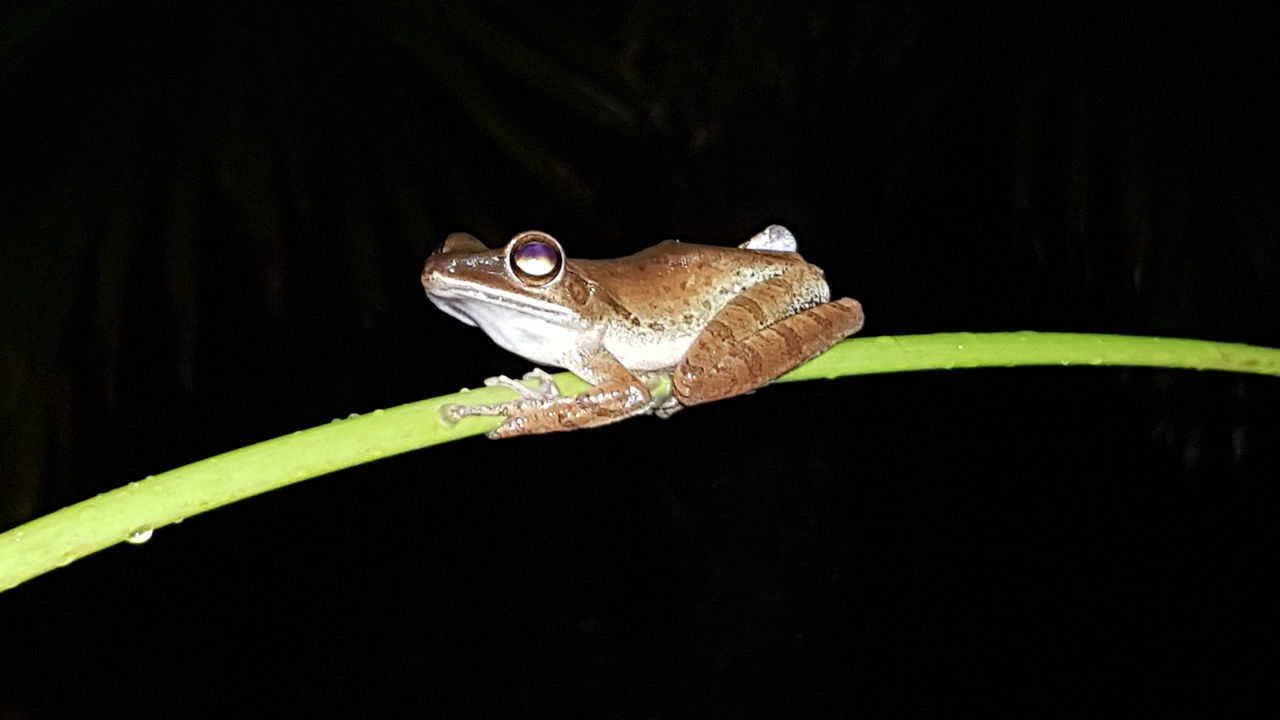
<point x="212" y="219"/>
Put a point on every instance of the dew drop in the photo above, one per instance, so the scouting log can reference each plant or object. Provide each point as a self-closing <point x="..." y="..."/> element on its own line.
<point x="137" y="537"/>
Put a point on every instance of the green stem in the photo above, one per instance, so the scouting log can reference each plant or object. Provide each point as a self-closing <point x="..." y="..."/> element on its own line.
<point x="947" y="351"/>
<point x="137" y="509"/>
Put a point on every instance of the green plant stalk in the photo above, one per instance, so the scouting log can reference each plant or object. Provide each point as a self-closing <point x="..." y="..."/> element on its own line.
<point x="948" y="351"/>
<point x="132" y="512"/>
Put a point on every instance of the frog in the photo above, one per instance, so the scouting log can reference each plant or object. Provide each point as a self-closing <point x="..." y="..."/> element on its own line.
<point x="714" y="321"/>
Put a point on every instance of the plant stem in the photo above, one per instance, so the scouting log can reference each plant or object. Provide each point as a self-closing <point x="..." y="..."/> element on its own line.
<point x="947" y="351"/>
<point x="137" y="509"/>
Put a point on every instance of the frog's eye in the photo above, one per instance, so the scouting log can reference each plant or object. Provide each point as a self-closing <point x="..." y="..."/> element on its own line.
<point x="535" y="258"/>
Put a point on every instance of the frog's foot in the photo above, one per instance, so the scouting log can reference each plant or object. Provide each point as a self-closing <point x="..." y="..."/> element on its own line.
<point x="546" y="389"/>
<point x="666" y="407"/>
<point x="616" y="394"/>
<point x="514" y="411"/>
<point x="661" y="403"/>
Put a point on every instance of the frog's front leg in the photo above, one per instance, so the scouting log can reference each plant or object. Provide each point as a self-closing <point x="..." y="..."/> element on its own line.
<point x="761" y="334"/>
<point x="615" y="394"/>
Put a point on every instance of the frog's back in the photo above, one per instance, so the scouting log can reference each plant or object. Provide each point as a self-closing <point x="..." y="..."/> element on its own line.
<point x="663" y="297"/>
<point x="674" y="273"/>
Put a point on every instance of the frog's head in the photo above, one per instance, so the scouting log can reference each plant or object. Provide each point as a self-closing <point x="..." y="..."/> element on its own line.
<point x="522" y="295"/>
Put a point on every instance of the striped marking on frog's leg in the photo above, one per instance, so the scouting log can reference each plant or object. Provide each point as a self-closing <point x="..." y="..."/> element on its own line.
<point x="747" y="345"/>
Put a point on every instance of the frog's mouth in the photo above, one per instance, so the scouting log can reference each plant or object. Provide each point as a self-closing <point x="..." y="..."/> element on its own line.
<point x="477" y="305"/>
<point x="454" y="309"/>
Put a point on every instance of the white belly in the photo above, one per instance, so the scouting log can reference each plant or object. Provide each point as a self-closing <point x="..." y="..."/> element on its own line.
<point x="648" y="351"/>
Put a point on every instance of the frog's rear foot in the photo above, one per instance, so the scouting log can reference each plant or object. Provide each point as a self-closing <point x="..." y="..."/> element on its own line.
<point x="666" y="407"/>
<point x="662" y="403"/>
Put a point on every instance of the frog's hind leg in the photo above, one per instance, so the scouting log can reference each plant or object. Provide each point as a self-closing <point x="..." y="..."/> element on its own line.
<point x="747" y="346"/>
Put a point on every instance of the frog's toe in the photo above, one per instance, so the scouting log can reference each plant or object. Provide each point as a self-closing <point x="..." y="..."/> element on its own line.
<point x="545" y="390"/>
<point x="515" y="386"/>
<point x="666" y="407"/>
<point x="547" y="387"/>
<point x="453" y="413"/>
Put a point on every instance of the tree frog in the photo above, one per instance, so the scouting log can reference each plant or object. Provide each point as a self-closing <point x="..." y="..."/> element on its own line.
<point x="719" y="321"/>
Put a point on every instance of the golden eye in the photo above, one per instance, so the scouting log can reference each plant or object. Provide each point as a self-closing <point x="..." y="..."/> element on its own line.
<point x="535" y="258"/>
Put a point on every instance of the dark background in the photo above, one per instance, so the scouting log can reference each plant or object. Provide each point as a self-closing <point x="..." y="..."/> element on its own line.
<point x="212" y="217"/>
